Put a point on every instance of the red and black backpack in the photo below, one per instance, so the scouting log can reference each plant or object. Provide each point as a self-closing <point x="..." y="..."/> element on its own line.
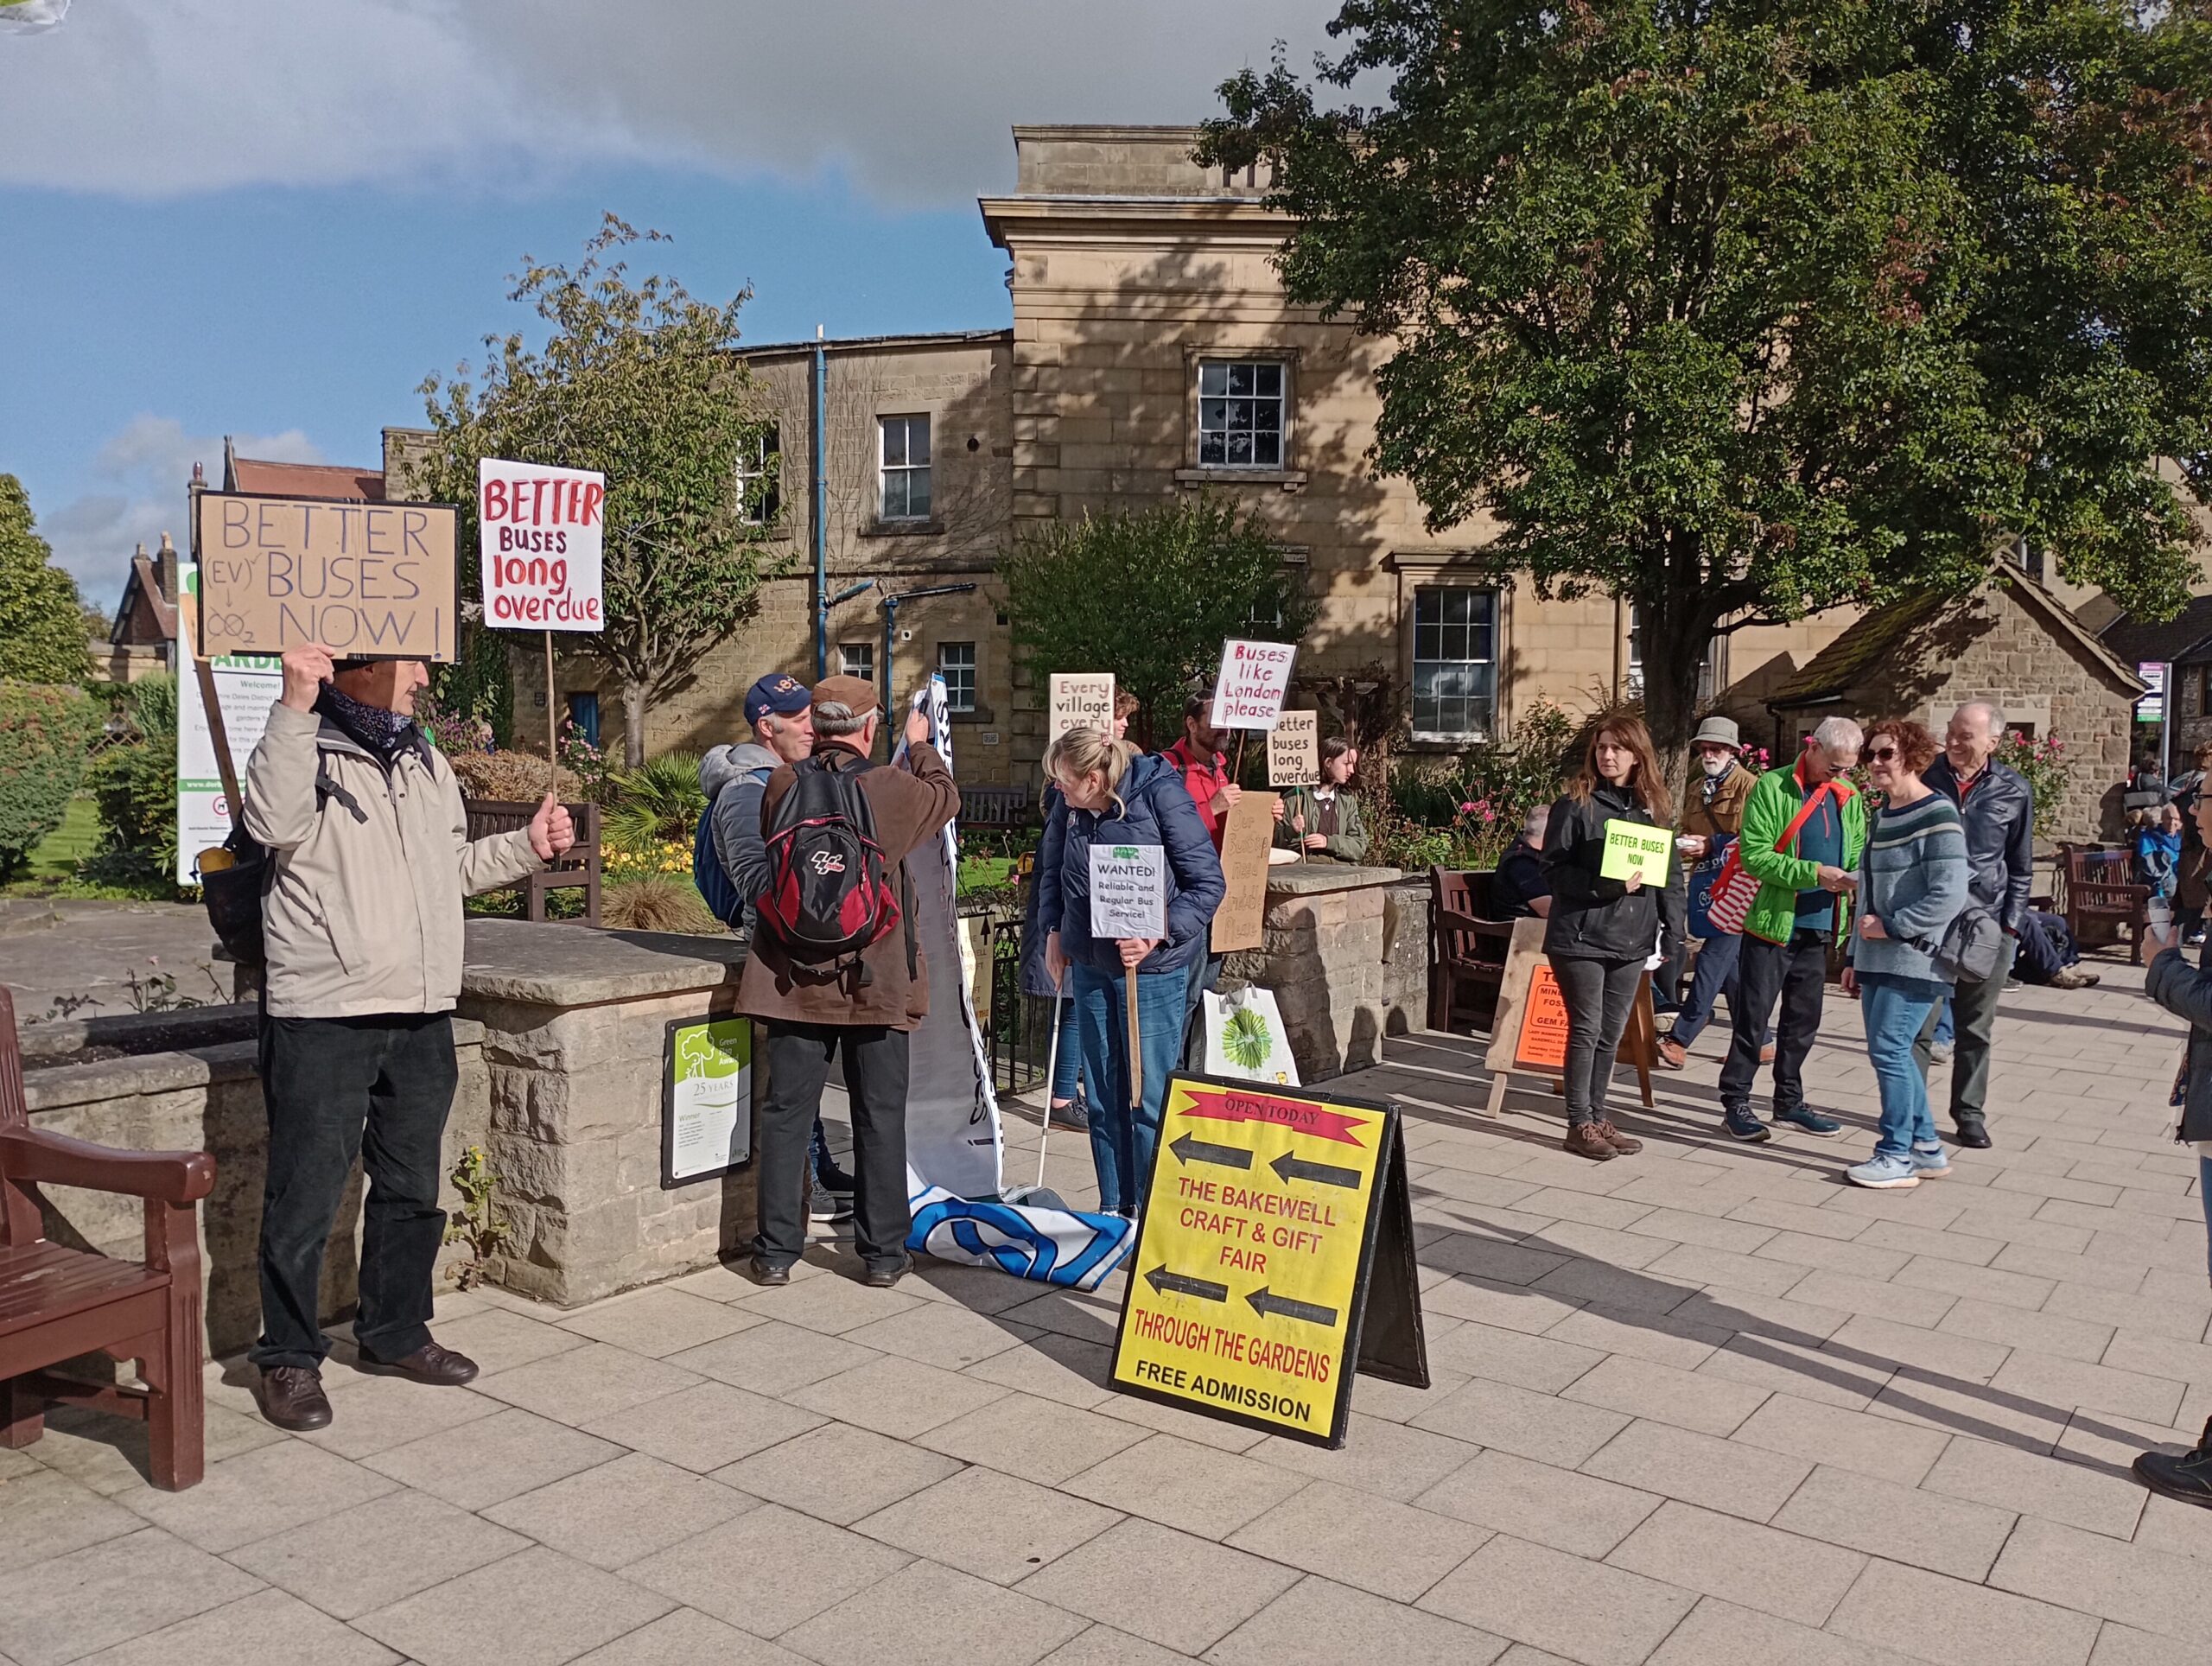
<point x="828" y="895"/>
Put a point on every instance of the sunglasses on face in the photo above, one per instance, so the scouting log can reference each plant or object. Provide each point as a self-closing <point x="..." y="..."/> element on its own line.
<point x="1880" y="754"/>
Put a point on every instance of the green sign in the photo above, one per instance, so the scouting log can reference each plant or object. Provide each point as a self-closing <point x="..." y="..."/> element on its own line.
<point x="707" y="1099"/>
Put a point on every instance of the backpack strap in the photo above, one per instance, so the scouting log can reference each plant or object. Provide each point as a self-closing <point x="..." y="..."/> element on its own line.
<point x="327" y="787"/>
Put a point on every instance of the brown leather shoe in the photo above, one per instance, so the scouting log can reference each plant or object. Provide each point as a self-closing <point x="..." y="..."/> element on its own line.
<point x="292" y="1398"/>
<point x="1627" y="1144"/>
<point x="1673" y="1055"/>
<point x="439" y="1367"/>
<point x="1585" y="1140"/>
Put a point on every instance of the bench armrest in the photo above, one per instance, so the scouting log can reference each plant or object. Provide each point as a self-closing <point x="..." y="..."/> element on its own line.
<point x="177" y="1178"/>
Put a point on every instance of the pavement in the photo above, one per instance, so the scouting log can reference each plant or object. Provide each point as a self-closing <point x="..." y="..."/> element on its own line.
<point x="1703" y="1405"/>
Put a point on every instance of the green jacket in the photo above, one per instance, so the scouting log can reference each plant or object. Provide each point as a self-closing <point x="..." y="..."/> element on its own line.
<point x="1773" y="804"/>
<point x="1348" y="843"/>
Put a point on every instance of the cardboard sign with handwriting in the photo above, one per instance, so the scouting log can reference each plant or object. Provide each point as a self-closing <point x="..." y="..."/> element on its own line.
<point x="1081" y="699"/>
<point x="1250" y="829"/>
<point x="368" y="581"/>
<point x="1294" y="749"/>
<point x="1248" y="689"/>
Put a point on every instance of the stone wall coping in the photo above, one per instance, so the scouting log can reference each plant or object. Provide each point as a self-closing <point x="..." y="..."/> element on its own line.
<point x="556" y="965"/>
<point x="1318" y="879"/>
<point x="140" y="1032"/>
<point x="57" y="1087"/>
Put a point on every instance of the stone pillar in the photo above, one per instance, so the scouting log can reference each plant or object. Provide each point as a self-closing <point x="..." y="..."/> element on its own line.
<point x="575" y="1021"/>
<point x="1331" y="935"/>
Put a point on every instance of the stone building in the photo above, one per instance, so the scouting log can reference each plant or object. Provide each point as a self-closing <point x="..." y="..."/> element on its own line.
<point x="141" y="640"/>
<point x="2183" y="645"/>
<point x="2014" y="643"/>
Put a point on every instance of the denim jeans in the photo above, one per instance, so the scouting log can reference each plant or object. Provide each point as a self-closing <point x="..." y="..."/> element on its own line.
<point x="1123" y="1140"/>
<point x="1943" y="1032"/>
<point x="2204" y="1196"/>
<point x="378" y="1088"/>
<point x="1713" y="981"/>
<point x="1894" y="1008"/>
<point x="1067" y="1067"/>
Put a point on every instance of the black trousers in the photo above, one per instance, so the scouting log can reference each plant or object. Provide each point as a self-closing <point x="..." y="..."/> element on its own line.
<point x="1794" y="976"/>
<point x="338" y="1088"/>
<point x="798" y="1057"/>
<point x="1597" y="995"/>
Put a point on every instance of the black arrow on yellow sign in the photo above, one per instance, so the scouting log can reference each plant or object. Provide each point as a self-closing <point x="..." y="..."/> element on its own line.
<point x="1263" y="1304"/>
<point x="1293" y="1168"/>
<point x="1162" y="1281"/>
<point x="1188" y="1151"/>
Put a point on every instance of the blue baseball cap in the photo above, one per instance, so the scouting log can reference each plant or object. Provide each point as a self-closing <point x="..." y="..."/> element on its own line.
<point x="779" y="693"/>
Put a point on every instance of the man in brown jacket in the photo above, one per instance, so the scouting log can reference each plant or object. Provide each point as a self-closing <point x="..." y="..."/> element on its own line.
<point x="806" y="1013"/>
<point x="1712" y="810"/>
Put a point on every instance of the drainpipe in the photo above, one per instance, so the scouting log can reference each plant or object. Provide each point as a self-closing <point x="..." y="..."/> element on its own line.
<point x="891" y="635"/>
<point x="820" y="513"/>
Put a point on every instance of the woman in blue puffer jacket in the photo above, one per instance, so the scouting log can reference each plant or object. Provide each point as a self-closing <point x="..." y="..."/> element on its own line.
<point x="1111" y="794"/>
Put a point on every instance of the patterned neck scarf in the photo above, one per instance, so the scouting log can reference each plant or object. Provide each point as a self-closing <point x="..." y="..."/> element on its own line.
<point x="381" y="732"/>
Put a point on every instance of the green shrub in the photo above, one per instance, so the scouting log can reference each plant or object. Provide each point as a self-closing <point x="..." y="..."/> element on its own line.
<point x="659" y="801"/>
<point x="45" y="732"/>
<point x="134" y="784"/>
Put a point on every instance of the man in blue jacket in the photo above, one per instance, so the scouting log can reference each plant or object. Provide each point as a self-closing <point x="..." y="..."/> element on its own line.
<point x="1998" y="808"/>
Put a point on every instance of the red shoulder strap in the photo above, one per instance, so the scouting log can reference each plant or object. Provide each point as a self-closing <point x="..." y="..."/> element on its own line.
<point x="1805" y="814"/>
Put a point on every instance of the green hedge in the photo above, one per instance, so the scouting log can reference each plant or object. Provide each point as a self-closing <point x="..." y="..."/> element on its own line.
<point x="46" y="733"/>
<point x="135" y="785"/>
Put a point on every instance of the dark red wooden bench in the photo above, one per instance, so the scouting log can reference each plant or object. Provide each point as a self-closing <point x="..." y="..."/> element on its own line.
<point x="57" y="1303"/>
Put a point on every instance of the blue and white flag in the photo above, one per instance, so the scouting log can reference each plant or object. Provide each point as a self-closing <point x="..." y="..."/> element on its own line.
<point x="955" y="1147"/>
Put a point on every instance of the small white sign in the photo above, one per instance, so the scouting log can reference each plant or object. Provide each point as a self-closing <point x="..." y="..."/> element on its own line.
<point x="1081" y="699"/>
<point x="708" y="1101"/>
<point x="1128" y="891"/>
<point x="540" y="533"/>
<point x="2152" y="708"/>
<point x="1254" y="679"/>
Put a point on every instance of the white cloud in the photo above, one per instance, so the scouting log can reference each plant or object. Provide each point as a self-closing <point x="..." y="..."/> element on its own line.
<point x="141" y="474"/>
<point x="160" y="98"/>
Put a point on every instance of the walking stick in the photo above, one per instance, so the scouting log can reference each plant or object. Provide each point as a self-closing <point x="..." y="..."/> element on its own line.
<point x="1051" y="1073"/>
<point x="1136" y="1058"/>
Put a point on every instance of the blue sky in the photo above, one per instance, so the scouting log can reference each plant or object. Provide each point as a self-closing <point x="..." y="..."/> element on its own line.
<point x="272" y="218"/>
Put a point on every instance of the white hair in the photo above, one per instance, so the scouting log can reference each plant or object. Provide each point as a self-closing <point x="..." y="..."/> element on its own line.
<point x="1837" y="736"/>
<point x="833" y="720"/>
<point x="1993" y="714"/>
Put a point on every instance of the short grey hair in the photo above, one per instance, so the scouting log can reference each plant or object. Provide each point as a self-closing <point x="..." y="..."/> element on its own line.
<point x="1533" y="824"/>
<point x="1837" y="736"/>
<point x="1993" y="714"/>
<point x="833" y="719"/>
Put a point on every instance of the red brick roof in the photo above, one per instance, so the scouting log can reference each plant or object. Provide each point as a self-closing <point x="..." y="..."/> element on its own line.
<point x="308" y="480"/>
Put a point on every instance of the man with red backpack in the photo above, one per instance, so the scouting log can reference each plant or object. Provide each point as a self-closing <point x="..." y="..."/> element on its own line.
<point x="834" y="968"/>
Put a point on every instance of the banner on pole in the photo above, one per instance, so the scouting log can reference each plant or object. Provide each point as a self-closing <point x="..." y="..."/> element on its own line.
<point x="540" y="535"/>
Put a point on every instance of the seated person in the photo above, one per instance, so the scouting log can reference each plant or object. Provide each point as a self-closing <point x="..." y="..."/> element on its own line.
<point x="1519" y="890"/>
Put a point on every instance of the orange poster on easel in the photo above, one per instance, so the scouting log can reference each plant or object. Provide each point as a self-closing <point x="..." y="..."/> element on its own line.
<point x="1542" y="1044"/>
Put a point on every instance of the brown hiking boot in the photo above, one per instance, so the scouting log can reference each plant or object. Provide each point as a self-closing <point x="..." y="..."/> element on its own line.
<point x="1673" y="1055"/>
<point x="1584" y="1140"/>
<point x="1626" y="1144"/>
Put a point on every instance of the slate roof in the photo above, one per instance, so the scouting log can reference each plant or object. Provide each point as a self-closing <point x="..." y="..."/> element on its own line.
<point x="2186" y="636"/>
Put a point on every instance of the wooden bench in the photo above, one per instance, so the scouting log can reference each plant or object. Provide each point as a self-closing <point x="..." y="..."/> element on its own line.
<point x="578" y="866"/>
<point x="2101" y="900"/>
<point x="57" y="1303"/>
<point x="1467" y="944"/>
<point x="994" y="806"/>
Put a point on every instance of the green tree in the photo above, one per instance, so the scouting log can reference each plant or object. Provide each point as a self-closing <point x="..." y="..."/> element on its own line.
<point x="134" y="784"/>
<point x="42" y="628"/>
<point x="1741" y="310"/>
<point x="635" y="381"/>
<point x="45" y="732"/>
<point x="1150" y="595"/>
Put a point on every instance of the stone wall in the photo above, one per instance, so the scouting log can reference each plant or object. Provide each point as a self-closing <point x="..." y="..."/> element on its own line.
<point x="1335" y="954"/>
<point x="208" y="1099"/>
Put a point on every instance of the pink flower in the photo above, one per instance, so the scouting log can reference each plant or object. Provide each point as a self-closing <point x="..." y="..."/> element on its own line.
<point x="1468" y="808"/>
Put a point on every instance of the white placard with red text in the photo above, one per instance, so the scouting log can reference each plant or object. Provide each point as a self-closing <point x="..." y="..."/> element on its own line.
<point x="1253" y="680"/>
<point x="539" y="532"/>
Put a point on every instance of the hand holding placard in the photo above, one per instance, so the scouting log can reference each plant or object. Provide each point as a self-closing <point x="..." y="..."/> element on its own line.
<point x="1636" y="848"/>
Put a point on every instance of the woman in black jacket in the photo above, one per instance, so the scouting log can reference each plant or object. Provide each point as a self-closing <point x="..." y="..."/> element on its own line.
<point x="1600" y="931"/>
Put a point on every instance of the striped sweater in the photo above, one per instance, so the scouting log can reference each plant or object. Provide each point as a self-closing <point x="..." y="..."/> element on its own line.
<point x="1913" y="879"/>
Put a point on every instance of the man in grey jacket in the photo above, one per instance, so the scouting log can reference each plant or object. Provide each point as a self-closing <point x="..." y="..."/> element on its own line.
<point x="1998" y="805"/>
<point x="369" y="844"/>
<point x="781" y="710"/>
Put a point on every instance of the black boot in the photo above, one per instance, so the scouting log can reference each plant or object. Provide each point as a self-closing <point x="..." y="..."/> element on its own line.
<point x="1973" y="1133"/>
<point x="2188" y="1478"/>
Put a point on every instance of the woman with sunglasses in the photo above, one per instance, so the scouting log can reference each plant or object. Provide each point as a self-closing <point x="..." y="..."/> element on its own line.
<point x="1912" y="884"/>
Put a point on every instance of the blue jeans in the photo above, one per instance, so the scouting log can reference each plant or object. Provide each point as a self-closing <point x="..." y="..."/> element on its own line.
<point x="1713" y="978"/>
<point x="1894" y="1008"/>
<point x="1123" y="1140"/>
<point x="1943" y="1030"/>
<point x="1068" y="1064"/>
<point x="2204" y="1196"/>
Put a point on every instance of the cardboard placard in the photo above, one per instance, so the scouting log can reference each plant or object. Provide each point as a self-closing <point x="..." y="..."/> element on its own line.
<point x="1128" y="891"/>
<point x="1248" y="832"/>
<point x="1633" y="848"/>
<point x="1080" y="700"/>
<point x="1294" y="749"/>
<point x="1528" y="1036"/>
<point x="369" y="580"/>
<point x="706" y="1098"/>
<point x="1249" y="689"/>
<point x="540" y="537"/>
<point x="1277" y="1223"/>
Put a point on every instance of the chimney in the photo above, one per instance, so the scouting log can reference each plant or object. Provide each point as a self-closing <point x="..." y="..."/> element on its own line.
<point x="167" y="568"/>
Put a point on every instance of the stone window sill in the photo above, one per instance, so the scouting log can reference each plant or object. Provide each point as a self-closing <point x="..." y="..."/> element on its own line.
<point x="1291" y="480"/>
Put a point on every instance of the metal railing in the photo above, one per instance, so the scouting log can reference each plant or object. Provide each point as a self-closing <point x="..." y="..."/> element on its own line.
<point x="1021" y="1025"/>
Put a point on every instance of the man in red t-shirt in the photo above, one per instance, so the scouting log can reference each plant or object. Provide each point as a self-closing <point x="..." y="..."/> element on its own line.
<point x="1198" y="754"/>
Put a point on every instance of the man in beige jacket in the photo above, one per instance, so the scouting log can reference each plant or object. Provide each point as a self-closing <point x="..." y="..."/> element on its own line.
<point x="369" y="846"/>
